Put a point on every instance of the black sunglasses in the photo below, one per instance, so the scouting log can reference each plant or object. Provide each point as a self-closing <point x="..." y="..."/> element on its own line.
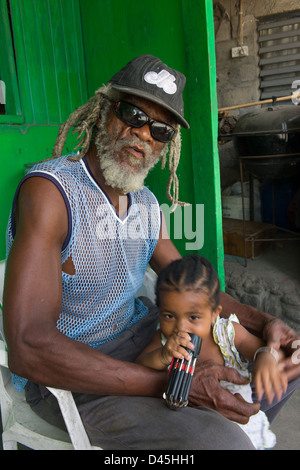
<point x="135" y="117"/>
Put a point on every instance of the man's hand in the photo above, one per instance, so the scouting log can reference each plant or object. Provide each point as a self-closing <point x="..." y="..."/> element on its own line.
<point x="207" y="391"/>
<point x="279" y="335"/>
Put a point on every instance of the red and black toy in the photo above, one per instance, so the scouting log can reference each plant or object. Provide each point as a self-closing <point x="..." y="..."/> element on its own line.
<point x="181" y="375"/>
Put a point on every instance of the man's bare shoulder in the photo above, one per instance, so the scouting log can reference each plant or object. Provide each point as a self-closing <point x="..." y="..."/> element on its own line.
<point x="40" y="205"/>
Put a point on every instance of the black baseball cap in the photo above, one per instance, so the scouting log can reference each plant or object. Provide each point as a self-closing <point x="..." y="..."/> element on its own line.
<point x="148" y="77"/>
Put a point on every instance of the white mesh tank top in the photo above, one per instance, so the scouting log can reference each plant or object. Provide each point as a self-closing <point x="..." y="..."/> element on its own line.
<point x="109" y="254"/>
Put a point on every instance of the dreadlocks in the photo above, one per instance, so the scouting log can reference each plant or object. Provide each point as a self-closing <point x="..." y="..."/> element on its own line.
<point x="83" y="120"/>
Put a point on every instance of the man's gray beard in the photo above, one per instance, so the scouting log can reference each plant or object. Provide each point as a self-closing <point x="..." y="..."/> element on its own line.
<point x="117" y="175"/>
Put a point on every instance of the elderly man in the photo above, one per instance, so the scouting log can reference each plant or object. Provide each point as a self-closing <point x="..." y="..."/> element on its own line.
<point x="82" y="230"/>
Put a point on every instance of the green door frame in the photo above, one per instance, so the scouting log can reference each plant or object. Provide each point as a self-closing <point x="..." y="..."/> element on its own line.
<point x="203" y="117"/>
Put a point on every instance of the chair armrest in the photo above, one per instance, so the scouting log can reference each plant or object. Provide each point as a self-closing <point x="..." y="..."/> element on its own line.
<point x="72" y="419"/>
<point x="3" y="354"/>
<point x="68" y="409"/>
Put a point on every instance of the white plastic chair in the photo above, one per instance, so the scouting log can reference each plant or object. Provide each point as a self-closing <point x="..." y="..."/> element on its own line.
<point x="22" y="425"/>
<point x="148" y="287"/>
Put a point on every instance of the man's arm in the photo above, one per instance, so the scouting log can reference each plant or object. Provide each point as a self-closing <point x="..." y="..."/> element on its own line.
<point x="251" y="318"/>
<point x="32" y="302"/>
<point x="165" y="251"/>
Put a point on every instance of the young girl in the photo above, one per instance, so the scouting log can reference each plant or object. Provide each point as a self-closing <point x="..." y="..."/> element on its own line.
<point x="187" y="294"/>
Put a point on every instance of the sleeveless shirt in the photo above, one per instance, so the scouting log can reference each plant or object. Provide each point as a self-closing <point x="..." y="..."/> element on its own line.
<point x="109" y="253"/>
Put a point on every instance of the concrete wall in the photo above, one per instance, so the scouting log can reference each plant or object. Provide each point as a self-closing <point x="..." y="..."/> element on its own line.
<point x="238" y="78"/>
<point x="270" y="290"/>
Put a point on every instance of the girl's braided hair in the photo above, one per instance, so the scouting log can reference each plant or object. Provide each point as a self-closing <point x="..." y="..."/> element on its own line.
<point x="192" y="272"/>
<point x="83" y="120"/>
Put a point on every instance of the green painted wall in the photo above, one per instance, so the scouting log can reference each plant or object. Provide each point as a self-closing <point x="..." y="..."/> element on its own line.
<point x="181" y="33"/>
<point x="65" y="49"/>
<point x="17" y="150"/>
<point x="45" y="76"/>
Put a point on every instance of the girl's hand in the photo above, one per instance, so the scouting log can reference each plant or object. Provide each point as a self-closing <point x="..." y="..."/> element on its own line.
<point x="281" y="337"/>
<point x="175" y="347"/>
<point x="268" y="378"/>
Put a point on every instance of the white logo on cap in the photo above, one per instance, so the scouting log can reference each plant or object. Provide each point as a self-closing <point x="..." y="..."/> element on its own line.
<point x="163" y="79"/>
